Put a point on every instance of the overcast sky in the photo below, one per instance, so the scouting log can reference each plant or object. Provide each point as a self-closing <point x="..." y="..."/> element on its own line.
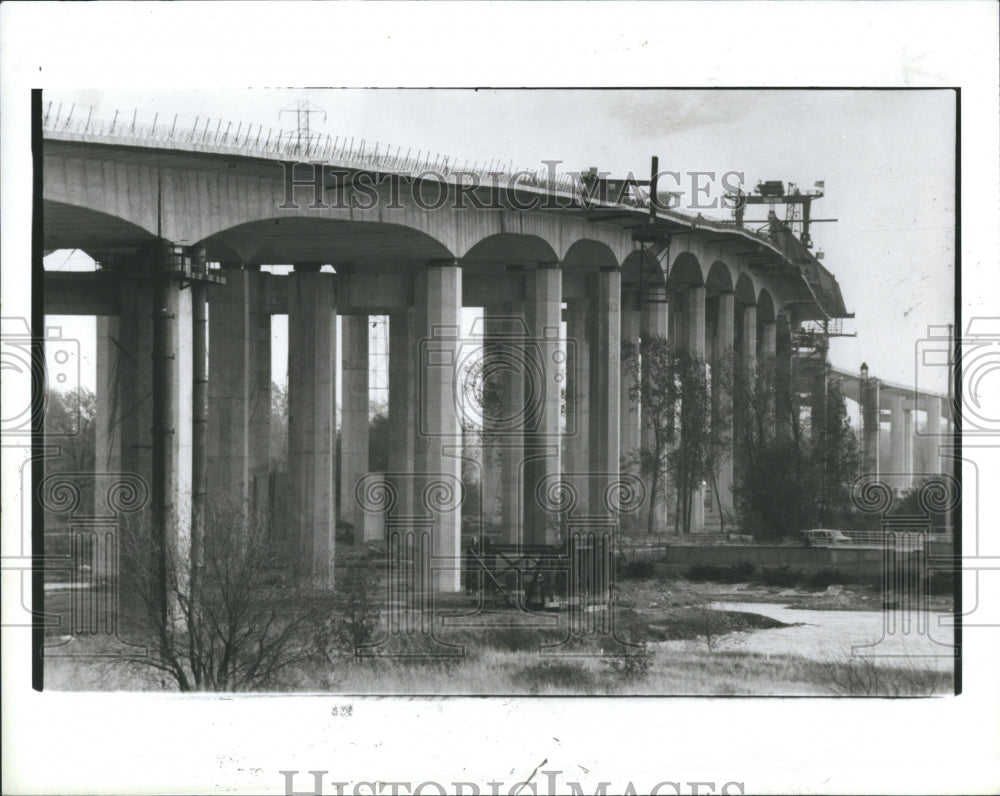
<point x="886" y="157"/>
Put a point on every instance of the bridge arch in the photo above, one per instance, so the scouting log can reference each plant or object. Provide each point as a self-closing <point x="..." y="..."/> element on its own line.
<point x="719" y="279"/>
<point x="74" y="226"/>
<point x="588" y="255"/>
<point x="374" y="246"/>
<point x="642" y="263"/>
<point x="765" y="307"/>
<point x="746" y="294"/>
<point x="685" y="272"/>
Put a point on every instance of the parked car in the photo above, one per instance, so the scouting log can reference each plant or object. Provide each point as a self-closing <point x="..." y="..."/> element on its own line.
<point x="825" y="536"/>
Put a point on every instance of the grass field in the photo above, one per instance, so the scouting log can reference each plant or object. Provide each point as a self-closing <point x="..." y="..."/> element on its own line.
<point x="676" y="644"/>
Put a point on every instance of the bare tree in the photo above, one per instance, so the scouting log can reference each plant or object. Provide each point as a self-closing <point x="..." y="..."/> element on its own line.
<point x="688" y="427"/>
<point x="655" y="389"/>
<point x="231" y="621"/>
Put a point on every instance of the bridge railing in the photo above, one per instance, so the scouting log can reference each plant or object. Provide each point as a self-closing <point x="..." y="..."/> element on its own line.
<point x="205" y="134"/>
<point x="216" y="134"/>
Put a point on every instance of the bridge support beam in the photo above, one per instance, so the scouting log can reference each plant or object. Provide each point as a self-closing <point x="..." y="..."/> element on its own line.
<point x="897" y="432"/>
<point x="631" y="330"/>
<point x="438" y="313"/>
<point x="577" y="445"/>
<point x="694" y="321"/>
<point x="785" y="403"/>
<point x="353" y="418"/>
<point x="932" y="406"/>
<point x="107" y="433"/>
<point x="744" y="379"/>
<point x="312" y="345"/>
<point x="239" y="395"/>
<point x="543" y="305"/>
<point x="107" y="422"/>
<point x="870" y="418"/>
<point x="767" y="362"/>
<point x="722" y="402"/>
<point x="505" y="331"/>
<point x="172" y="415"/>
<point x="605" y="389"/>
<point x="512" y="387"/>
<point x="908" y="430"/>
<point x="403" y="353"/>
<point x="134" y="415"/>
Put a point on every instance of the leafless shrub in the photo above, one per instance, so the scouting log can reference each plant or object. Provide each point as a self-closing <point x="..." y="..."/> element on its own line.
<point x="223" y="615"/>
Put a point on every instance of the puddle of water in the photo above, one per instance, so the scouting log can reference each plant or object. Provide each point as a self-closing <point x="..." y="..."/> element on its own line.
<point x="886" y="637"/>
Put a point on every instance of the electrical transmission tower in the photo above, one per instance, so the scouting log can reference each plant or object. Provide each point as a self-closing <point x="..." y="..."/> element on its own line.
<point x="303" y="109"/>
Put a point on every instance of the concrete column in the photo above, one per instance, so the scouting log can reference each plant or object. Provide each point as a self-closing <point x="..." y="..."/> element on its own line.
<point x="783" y="383"/>
<point x="260" y="394"/>
<point x="744" y="374"/>
<point x="768" y="353"/>
<point x="897" y="434"/>
<point x="694" y="321"/>
<point x="631" y="329"/>
<point x="748" y="350"/>
<point x="543" y="311"/>
<point x="503" y="425"/>
<point x="675" y="320"/>
<point x="199" y="399"/>
<point x="932" y="406"/>
<point x="135" y="380"/>
<point x="353" y="417"/>
<point x="107" y="433"/>
<point x="312" y="346"/>
<point x="722" y="406"/>
<point x="402" y="408"/>
<point x="908" y="430"/>
<point x="491" y="440"/>
<point x="438" y="314"/>
<point x="768" y="340"/>
<point x="871" y="413"/>
<point x="239" y="394"/>
<point x="577" y="446"/>
<point x="108" y="455"/>
<point x="173" y="410"/>
<point x="512" y="387"/>
<point x="605" y="390"/>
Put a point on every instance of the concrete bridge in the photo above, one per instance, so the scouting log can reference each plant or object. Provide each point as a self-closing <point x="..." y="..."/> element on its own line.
<point x="901" y="430"/>
<point x="180" y="225"/>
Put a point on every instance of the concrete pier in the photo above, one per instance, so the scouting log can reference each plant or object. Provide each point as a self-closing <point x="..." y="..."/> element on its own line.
<point x="402" y="408"/>
<point x="543" y="310"/>
<point x="605" y="388"/>
<point x="239" y="393"/>
<point x="353" y="418"/>
<point x="312" y="345"/>
<point x="438" y="310"/>
<point x="694" y="321"/>
<point x="723" y="364"/>
<point x="631" y="333"/>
